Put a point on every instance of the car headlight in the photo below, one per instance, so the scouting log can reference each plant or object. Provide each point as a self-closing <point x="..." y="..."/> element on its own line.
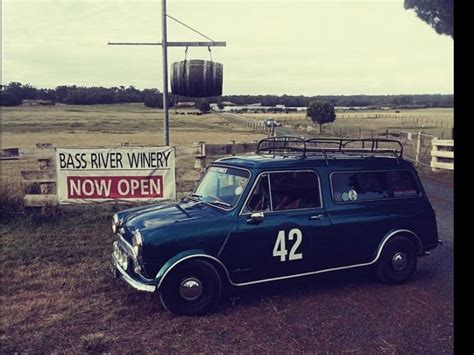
<point x="123" y="261"/>
<point x="115" y="223"/>
<point x="137" y="242"/>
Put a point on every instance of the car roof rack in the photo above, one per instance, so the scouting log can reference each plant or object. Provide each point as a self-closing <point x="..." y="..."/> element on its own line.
<point x="329" y="147"/>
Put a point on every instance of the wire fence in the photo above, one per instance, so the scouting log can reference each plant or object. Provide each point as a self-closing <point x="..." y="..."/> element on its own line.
<point x="417" y="147"/>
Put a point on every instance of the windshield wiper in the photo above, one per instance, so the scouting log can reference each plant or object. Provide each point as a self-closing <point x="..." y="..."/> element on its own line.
<point x="217" y="202"/>
<point x="196" y="196"/>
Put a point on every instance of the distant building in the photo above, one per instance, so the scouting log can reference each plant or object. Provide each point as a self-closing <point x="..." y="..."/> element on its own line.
<point x="185" y="104"/>
<point x="37" y="102"/>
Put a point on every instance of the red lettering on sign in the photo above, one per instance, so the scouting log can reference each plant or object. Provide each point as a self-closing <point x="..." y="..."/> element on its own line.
<point x="97" y="187"/>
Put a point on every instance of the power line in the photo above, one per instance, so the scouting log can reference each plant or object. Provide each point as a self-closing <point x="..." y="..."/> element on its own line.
<point x="192" y="29"/>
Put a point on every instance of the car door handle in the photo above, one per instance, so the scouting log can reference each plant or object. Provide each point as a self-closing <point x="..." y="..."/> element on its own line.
<point x="318" y="216"/>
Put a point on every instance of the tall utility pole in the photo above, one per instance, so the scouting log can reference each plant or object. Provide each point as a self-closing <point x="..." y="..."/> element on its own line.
<point x="164" y="38"/>
<point x="165" y="44"/>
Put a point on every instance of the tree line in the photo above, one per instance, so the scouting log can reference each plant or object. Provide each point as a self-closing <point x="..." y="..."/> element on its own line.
<point x="14" y="93"/>
<point x="375" y="101"/>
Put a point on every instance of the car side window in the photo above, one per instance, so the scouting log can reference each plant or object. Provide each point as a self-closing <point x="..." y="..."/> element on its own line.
<point x="401" y="184"/>
<point x="260" y="197"/>
<point x="295" y="190"/>
<point x="375" y="185"/>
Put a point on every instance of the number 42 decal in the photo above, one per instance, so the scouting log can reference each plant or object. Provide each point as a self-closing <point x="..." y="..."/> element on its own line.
<point x="280" y="245"/>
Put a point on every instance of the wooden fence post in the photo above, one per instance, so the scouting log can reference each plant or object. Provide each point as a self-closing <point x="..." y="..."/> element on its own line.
<point x="418" y="149"/>
<point x="200" y="161"/>
<point x="44" y="177"/>
<point x="46" y="188"/>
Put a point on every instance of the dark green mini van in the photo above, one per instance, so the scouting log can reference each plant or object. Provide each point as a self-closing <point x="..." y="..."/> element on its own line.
<point x="295" y="208"/>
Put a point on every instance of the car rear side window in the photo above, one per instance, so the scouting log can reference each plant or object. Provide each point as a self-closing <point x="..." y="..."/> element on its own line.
<point x="374" y="185"/>
<point x="295" y="190"/>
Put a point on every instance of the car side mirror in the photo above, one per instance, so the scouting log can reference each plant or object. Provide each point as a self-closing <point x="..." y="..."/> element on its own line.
<point x="255" y="218"/>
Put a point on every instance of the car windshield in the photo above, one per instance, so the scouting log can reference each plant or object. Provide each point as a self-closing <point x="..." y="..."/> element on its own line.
<point x="222" y="187"/>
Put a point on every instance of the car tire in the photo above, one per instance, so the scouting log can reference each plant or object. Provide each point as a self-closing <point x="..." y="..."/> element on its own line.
<point x="193" y="288"/>
<point x="398" y="260"/>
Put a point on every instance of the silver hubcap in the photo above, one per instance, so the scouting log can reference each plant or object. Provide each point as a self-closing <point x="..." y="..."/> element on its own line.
<point x="399" y="261"/>
<point x="190" y="289"/>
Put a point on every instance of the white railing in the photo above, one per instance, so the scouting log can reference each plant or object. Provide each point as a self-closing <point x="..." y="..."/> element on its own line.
<point x="442" y="154"/>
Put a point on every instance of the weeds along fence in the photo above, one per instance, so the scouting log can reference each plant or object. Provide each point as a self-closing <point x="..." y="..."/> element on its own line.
<point x="29" y="173"/>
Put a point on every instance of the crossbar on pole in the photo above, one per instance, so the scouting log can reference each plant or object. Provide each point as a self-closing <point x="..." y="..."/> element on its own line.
<point x="170" y="44"/>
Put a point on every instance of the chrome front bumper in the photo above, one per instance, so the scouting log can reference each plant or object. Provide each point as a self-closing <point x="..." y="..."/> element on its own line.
<point x="136" y="283"/>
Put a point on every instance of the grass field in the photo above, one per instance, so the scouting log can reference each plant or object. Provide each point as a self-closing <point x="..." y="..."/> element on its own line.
<point x="436" y="122"/>
<point x="136" y="124"/>
<point x="58" y="296"/>
<point x="101" y="125"/>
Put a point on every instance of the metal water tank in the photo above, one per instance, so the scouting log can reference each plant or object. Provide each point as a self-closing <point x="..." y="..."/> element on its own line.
<point x="196" y="78"/>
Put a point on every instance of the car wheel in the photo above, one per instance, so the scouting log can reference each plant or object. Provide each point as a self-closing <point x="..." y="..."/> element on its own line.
<point x="398" y="260"/>
<point x="193" y="288"/>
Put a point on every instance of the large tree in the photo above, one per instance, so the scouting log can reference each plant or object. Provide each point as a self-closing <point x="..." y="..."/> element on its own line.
<point x="321" y="112"/>
<point x="437" y="13"/>
<point x="8" y="98"/>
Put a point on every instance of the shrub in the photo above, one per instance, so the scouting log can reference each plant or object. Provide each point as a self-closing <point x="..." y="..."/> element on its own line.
<point x="8" y="98"/>
<point x="203" y="105"/>
<point x="11" y="201"/>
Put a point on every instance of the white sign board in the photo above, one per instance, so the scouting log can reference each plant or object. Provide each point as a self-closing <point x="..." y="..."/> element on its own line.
<point x="88" y="175"/>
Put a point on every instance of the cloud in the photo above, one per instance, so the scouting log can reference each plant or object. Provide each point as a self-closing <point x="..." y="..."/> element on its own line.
<point x="294" y="47"/>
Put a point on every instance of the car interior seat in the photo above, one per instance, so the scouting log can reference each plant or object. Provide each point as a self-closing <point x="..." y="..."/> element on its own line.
<point x="281" y="205"/>
<point x="293" y="204"/>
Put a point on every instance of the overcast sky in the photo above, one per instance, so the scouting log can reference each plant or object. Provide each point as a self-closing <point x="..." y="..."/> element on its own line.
<point x="273" y="47"/>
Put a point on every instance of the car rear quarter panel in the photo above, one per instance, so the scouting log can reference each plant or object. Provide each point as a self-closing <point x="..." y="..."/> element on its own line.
<point x="362" y="226"/>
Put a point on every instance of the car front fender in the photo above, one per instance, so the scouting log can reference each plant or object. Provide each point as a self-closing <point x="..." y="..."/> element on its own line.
<point x="179" y="258"/>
